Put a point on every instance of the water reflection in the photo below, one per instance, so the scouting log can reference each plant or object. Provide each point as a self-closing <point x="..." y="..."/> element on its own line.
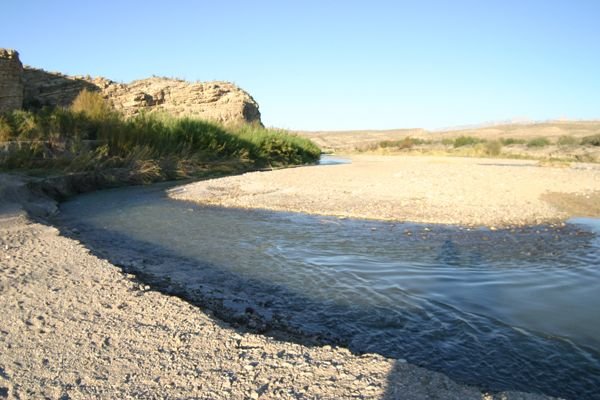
<point x="328" y="159"/>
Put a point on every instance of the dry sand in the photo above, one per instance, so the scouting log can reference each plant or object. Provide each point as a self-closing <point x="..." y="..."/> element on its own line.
<point x="74" y="326"/>
<point x="447" y="190"/>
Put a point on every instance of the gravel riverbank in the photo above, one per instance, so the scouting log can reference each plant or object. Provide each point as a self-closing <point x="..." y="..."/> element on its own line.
<point x="447" y="190"/>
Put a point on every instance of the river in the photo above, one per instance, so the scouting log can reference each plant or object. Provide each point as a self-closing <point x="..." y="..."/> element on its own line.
<point x="505" y="309"/>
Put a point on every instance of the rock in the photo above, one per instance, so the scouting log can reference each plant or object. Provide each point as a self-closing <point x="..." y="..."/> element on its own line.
<point x="217" y="101"/>
<point x="42" y="88"/>
<point x="11" y="80"/>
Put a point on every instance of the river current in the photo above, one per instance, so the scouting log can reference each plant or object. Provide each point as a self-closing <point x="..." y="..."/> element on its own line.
<point x="504" y="310"/>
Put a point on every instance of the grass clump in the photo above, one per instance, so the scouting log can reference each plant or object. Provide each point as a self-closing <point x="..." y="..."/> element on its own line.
<point x="90" y="136"/>
<point x="593" y="140"/>
<point x="92" y="104"/>
<point x="466" y="141"/>
<point x="538" y="142"/>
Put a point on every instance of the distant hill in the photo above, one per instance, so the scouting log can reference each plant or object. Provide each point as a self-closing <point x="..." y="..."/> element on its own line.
<point x="351" y="140"/>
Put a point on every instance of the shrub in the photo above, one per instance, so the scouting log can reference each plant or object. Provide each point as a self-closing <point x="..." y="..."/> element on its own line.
<point x="509" y="141"/>
<point x="466" y="141"/>
<point x="493" y="147"/>
<point x="405" y="143"/>
<point x="538" y="142"/>
<point x="276" y="147"/>
<point x="567" y="141"/>
<point x="24" y="125"/>
<point x="92" y="104"/>
<point x="6" y="131"/>
<point x="593" y="140"/>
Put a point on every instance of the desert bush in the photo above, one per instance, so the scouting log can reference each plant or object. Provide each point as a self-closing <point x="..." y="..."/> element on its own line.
<point x="276" y="147"/>
<point x="92" y="104"/>
<point x="567" y="140"/>
<point x="509" y="141"/>
<point x="538" y="142"/>
<point x="405" y="143"/>
<point x="466" y="141"/>
<point x="24" y="125"/>
<point x="593" y="140"/>
<point x="493" y="147"/>
<point x="6" y="131"/>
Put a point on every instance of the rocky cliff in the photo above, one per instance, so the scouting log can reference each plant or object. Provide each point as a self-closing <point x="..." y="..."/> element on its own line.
<point x="217" y="101"/>
<point x="11" y="80"/>
<point x="44" y="88"/>
<point x="220" y="101"/>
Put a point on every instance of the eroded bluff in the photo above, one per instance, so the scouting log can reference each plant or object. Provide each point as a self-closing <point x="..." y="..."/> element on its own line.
<point x="217" y="101"/>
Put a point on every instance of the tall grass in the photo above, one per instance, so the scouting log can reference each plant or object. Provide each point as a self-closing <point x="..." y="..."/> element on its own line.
<point x="275" y="147"/>
<point x="90" y="136"/>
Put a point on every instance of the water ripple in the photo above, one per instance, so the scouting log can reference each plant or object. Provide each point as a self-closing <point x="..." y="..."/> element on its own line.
<point x="506" y="310"/>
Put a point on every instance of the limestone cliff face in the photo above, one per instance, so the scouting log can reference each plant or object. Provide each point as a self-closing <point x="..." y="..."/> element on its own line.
<point x="217" y="101"/>
<point x="11" y="80"/>
<point x="44" y="88"/>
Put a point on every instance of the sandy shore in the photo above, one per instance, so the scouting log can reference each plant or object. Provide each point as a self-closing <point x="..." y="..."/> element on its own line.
<point x="447" y="190"/>
<point x="76" y="327"/>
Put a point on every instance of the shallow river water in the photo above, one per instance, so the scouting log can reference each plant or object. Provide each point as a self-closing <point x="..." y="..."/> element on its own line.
<point x="504" y="310"/>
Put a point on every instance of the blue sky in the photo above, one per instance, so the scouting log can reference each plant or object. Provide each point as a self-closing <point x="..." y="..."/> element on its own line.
<point x="338" y="64"/>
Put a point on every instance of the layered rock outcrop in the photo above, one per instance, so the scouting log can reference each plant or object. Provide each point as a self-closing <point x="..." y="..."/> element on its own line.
<point x="218" y="101"/>
<point x="44" y="88"/>
<point x="11" y="80"/>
